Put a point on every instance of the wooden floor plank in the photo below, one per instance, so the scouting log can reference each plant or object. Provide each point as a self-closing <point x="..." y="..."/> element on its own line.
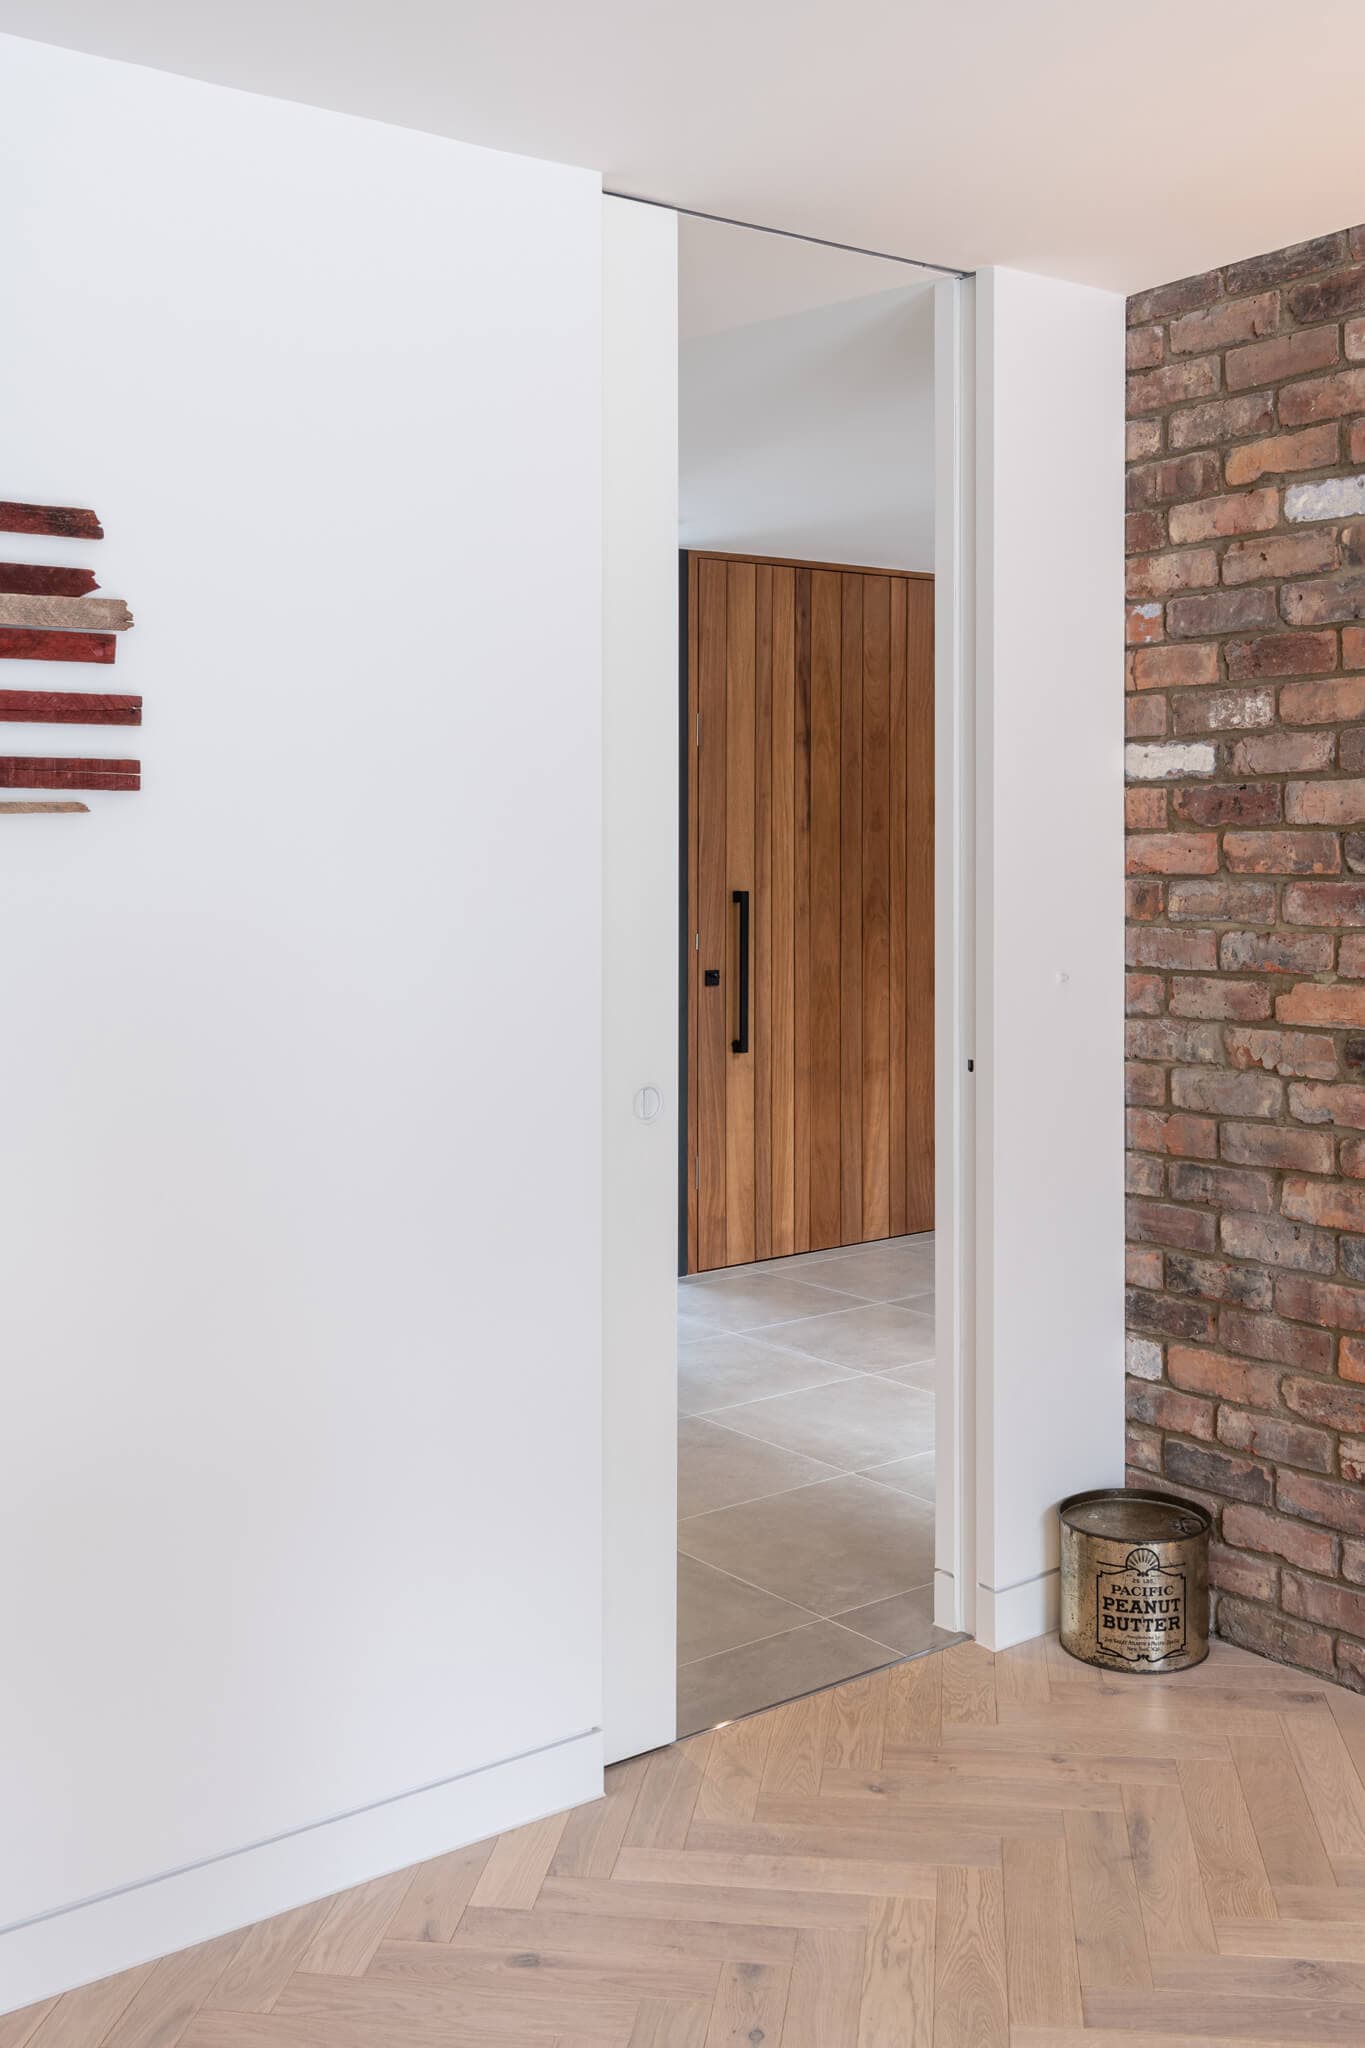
<point x="896" y="2005"/>
<point x="1042" y="1973"/>
<point x="749" y="2006"/>
<point x="1334" y="1792"/>
<point x="1111" y="1946"/>
<point x="971" y="2007"/>
<point x="826" y="1989"/>
<point x="1229" y="1855"/>
<point x="267" y="1957"/>
<point x="1286" y="1833"/>
<point x="1175" y="1911"/>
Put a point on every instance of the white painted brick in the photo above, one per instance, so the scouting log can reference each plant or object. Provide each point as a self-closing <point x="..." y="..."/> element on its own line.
<point x="1341" y="497"/>
<point x="1144" y="1358"/>
<point x="1166" y="759"/>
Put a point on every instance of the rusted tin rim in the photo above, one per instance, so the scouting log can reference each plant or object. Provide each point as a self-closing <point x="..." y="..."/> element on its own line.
<point x="1120" y="1495"/>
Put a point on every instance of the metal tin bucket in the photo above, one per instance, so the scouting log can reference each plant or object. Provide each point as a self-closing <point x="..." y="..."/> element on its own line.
<point x="1135" y="1580"/>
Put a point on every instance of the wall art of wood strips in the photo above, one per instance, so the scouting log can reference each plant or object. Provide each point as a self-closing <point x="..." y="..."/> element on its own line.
<point x="48" y="614"/>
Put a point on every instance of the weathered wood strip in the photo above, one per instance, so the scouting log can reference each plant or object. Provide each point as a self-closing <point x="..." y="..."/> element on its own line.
<point x="65" y="614"/>
<point x="27" y="810"/>
<point x="46" y="579"/>
<point x="72" y="522"/>
<point x="68" y="707"/>
<point x="49" y="771"/>
<point x="21" y="643"/>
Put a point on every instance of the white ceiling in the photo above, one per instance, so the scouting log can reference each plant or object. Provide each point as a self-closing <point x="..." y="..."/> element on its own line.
<point x="1118" y="146"/>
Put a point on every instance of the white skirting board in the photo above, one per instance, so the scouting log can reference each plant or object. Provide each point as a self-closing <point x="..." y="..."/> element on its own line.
<point x="1016" y="1614"/>
<point x="97" y="1939"/>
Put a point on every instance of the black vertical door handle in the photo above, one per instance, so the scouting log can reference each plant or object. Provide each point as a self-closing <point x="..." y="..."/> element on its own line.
<point x="741" y="897"/>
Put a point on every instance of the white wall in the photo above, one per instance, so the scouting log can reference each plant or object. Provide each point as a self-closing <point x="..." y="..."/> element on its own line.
<point x="1049" y="927"/>
<point x="300" y="1209"/>
<point x="811" y="435"/>
<point x="640" y="792"/>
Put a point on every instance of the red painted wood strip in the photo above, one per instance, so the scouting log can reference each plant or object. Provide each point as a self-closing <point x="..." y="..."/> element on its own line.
<point x="68" y="707"/>
<point x="48" y="771"/>
<point x="33" y="579"/>
<point x="71" y="520"/>
<point x="23" y="643"/>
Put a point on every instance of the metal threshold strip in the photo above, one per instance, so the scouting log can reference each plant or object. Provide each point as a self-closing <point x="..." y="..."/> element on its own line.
<point x="759" y="227"/>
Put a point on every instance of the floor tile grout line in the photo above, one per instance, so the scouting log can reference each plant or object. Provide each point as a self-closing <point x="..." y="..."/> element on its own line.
<point x="802" y="1486"/>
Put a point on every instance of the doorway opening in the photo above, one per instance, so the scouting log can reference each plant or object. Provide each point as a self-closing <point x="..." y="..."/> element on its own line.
<point x="806" y="1252"/>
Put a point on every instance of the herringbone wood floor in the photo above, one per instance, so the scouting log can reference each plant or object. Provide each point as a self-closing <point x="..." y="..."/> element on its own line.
<point x="962" y="1852"/>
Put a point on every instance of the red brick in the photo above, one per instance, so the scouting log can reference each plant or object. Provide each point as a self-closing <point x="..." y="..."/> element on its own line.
<point x="1143" y="1451"/>
<point x="1336" y="1205"/>
<point x="1353" y="1561"/>
<point x="1143" y="1266"/>
<point x="1144" y="1086"/>
<point x="1154" y="390"/>
<point x="1325" y="803"/>
<point x="1352" y="539"/>
<point x="1224" y="710"/>
<point x="1183" y="1137"/>
<point x="1282" y="853"/>
<point x="1317" y="1500"/>
<point x="1144" y="718"/>
<point x="1143" y="1175"/>
<point x="1222" y="419"/>
<point x="1172" y="853"/>
<point x="1325" y="903"/>
<point x="1193" y="950"/>
<point x="1219" y="1473"/>
<point x="1351" y="1458"/>
<point x="1299" y="260"/>
<point x="1353" y="647"/>
<point x="1164" y="301"/>
<point x="1219" y="611"/>
<point x="1144" y="810"/>
<point x="1163" y="1223"/>
<point x="1143" y="626"/>
<point x="1145" y="995"/>
<point x="1273" y="952"/>
<point x="1331" y="1004"/>
<point x="1193" y="996"/>
<point x="1324" y="1303"/>
<point x="1146" y="347"/>
<point x="1274" y="1635"/>
<point x="1270" y="1145"/>
<point x="1278" y="753"/>
<point x="1326" y="1401"/>
<point x="1351" y="957"/>
<point x="1356" y="450"/>
<point x="1231" y="320"/>
<point x="1298" y="554"/>
<point x="1225" y="1094"/>
<point x="1277" y="1441"/>
<point x="1178" y="477"/>
<point x="1230" y="1573"/>
<point x="1314" y="1104"/>
<point x="1144" y="900"/>
<point x="1163" y="1408"/>
<point x="1328" y="298"/>
<point x="1228" y="803"/>
<point x="1164" y="1038"/>
<point x="1280" y="1343"/>
<point x="1351" y="1359"/>
<point x="1351" y="1158"/>
<point x="1219" y="1280"/>
<point x="1333" y="1606"/>
<point x="1305" y="1055"/>
<point x="1227" y="1187"/>
<point x="1355" y="341"/>
<point x="1283" y="654"/>
<point x="1289" y="355"/>
<point x="1185" y="569"/>
<point x="1322" y="398"/>
<point x="1226" y="1379"/>
<point x="1278" y="1243"/>
<point x="1168" y="668"/>
<point x="1220" y="518"/>
<point x="1144" y="531"/>
<point x="1323" y="703"/>
<point x="1251" y="1528"/>
<point x="1156" y="1315"/>
<point x="1231" y="899"/>
<point x="1326" y="602"/>
<point x="1282" y="454"/>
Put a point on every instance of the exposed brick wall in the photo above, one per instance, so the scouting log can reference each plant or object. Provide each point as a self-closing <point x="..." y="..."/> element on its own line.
<point x="1246" y="933"/>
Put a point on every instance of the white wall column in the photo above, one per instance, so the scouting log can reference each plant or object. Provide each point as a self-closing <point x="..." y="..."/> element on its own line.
<point x="1049" y="928"/>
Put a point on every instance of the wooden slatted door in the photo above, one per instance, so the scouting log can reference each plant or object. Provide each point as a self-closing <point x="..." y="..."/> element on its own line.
<point x="809" y="929"/>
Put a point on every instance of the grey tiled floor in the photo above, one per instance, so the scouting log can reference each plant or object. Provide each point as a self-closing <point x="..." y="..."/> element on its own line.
<point x="806" y="1474"/>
